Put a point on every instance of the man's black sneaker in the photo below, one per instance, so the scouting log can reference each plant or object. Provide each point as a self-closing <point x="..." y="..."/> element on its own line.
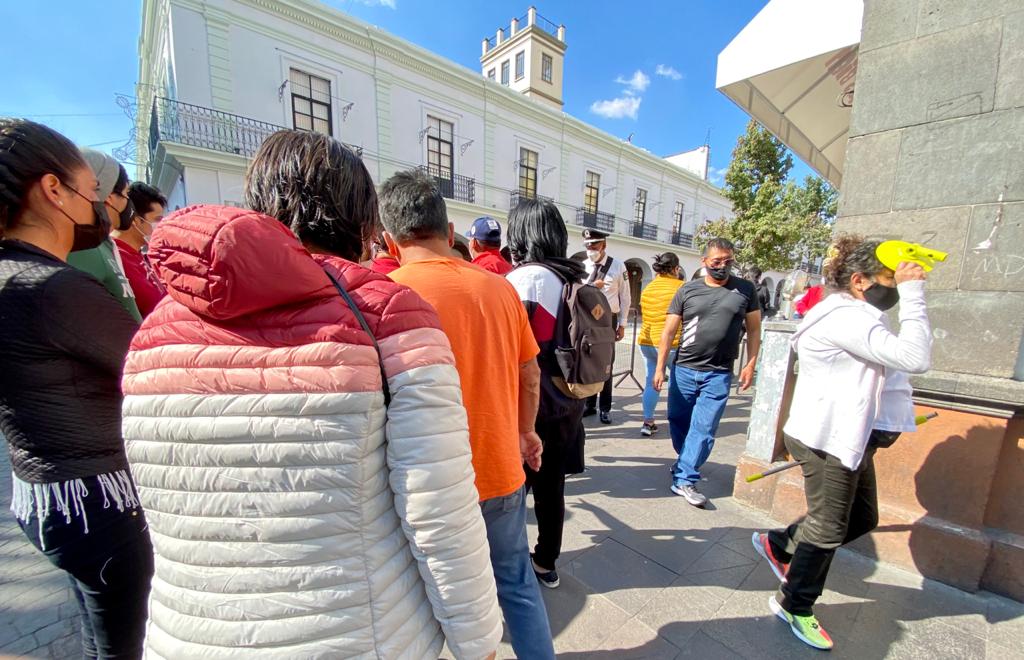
<point x="605" y="418"/>
<point x="548" y="578"/>
<point x="587" y="412"/>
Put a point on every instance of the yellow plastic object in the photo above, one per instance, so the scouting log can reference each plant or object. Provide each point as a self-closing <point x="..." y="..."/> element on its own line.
<point x="891" y="253"/>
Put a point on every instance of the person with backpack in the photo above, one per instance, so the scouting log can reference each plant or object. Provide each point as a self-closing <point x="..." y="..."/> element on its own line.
<point x="495" y="354"/>
<point x="611" y="277"/>
<point x="545" y="280"/>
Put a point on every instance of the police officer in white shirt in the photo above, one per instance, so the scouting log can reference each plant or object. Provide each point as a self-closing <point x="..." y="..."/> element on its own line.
<point x="609" y="275"/>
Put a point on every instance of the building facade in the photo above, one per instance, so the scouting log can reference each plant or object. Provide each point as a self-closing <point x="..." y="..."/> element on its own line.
<point x="218" y="76"/>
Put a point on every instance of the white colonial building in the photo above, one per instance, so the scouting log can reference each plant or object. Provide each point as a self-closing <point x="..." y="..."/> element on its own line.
<point x="218" y="76"/>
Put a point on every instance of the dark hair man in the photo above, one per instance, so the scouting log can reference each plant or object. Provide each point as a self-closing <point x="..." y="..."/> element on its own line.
<point x="481" y="311"/>
<point x="712" y="311"/>
<point x="149" y="206"/>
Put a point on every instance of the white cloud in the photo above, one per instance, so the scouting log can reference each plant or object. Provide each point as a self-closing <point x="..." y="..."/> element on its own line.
<point x="637" y="83"/>
<point x="624" y="106"/>
<point x="666" y="71"/>
<point x="716" y="175"/>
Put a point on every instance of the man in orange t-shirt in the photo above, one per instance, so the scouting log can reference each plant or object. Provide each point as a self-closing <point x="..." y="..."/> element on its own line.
<point x="495" y="355"/>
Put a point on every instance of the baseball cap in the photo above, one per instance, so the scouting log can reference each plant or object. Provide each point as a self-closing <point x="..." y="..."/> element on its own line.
<point x="485" y="229"/>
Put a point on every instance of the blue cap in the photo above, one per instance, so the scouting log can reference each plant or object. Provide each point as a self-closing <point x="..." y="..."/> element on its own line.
<point x="485" y="229"/>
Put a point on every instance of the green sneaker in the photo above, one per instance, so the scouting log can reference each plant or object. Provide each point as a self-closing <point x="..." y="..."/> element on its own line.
<point x="806" y="628"/>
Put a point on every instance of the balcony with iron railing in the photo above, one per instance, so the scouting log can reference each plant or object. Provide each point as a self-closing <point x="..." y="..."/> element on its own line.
<point x="643" y="230"/>
<point x="206" y="128"/>
<point x="452" y="186"/>
<point x="681" y="239"/>
<point x="516" y="196"/>
<point x="595" y="220"/>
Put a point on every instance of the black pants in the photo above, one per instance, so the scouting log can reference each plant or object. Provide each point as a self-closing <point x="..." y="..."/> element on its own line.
<point x="842" y="505"/>
<point x="109" y="569"/>
<point x="561" y="438"/>
<point x="606" y="391"/>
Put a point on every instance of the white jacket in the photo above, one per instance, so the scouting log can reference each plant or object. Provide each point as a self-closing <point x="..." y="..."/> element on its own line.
<point x="285" y="523"/>
<point x="849" y="380"/>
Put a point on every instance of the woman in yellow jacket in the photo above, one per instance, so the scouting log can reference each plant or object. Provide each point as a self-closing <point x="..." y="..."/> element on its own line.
<point x="654" y="303"/>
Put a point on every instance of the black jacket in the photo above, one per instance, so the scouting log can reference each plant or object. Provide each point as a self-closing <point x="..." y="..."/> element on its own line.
<point x="64" y="341"/>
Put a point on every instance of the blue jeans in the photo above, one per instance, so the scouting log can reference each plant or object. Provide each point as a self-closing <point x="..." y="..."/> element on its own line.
<point x="650" y="397"/>
<point x="518" y="590"/>
<point x="696" y="401"/>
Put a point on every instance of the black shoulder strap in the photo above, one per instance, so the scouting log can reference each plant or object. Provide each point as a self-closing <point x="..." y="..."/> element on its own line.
<point x="366" y="328"/>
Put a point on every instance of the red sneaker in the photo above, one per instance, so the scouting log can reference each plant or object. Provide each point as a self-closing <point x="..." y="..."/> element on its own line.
<point x="764" y="548"/>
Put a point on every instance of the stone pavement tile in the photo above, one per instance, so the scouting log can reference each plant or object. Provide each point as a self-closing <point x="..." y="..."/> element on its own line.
<point x="676" y="550"/>
<point x="633" y="641"/>
<point x="884" y="629"/>
<point x="747" y="626"/>
<point x="580" y="619"/>
<point x="702" y="647"/>
<point x="717" y="558"/>
<point x="933" y="600"/>
<point x="625" y="577"/>
<point x="1005" y="622"/>
<point x="23" y="646"/>
<point x="679" y="611"/>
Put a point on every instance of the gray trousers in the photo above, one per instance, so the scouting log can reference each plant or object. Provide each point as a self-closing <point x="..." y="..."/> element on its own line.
<point x="842" y="505"/>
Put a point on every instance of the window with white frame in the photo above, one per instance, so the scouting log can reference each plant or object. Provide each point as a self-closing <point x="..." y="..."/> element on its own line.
<point x="504" y="73"/>
<point x="440" y="154"/>
<point x="490" y="74"/>
<point x="640" y="206"/>
<point x="591" y="192"/>
<point x="520" y="64"/>
<point x="311" y="102"/>
<point x="527" y="172"/>
<point x="677" y="218"/>
<point x="546" y="65"/>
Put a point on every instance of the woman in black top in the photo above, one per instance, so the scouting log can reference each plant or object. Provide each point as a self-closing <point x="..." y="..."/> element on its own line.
<point x="64" y="344"/>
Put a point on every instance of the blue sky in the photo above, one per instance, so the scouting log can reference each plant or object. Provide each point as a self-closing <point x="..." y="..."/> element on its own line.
<point x="65" y="60"/>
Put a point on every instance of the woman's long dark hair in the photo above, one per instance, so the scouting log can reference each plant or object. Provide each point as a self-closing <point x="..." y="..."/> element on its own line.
<point x="318" y="188"/>
<point x="28" y="151"/>
<point x="536" y="232"/>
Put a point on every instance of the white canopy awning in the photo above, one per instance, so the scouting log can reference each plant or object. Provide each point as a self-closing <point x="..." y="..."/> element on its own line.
<point x="792" y="68"/>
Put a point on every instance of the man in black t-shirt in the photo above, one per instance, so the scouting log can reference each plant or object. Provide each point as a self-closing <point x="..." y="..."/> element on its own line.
<point x="712" y="311"/>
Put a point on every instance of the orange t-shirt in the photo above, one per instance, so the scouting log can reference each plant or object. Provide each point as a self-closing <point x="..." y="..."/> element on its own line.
<point x="490" y="335"/>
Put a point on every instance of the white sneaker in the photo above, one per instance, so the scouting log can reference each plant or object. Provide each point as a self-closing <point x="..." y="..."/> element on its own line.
<point x="690" y="493"/>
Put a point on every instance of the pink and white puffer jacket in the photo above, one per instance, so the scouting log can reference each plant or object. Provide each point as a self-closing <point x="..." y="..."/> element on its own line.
<point x="285" y="524"/>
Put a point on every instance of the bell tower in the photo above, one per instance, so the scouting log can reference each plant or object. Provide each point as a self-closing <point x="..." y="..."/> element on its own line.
<point x="529" y="58"/>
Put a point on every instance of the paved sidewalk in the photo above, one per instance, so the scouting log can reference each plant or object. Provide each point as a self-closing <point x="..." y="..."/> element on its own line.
<point x="644" y="575"/>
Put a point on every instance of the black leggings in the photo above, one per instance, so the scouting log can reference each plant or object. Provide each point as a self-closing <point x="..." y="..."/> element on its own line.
<point x="561" y="436"/>
<point x="109" y="569"/>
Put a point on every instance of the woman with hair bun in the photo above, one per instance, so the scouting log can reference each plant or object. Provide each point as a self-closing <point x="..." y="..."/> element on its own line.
<point x="654" y="302"/>
<point x="852" y="396"/>
<point x="65" y="340"/>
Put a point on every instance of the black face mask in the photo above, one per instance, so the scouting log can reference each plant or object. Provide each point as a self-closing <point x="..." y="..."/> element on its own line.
<point x="718" y="274"/>
<point x="881" y="296"/>
<point x="86" y="237"/>
<point x="124" y="218"/>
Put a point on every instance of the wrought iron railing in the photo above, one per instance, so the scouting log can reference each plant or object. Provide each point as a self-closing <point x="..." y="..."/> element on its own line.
<point x="516" y="196"/>
<point x="196" y="126"/>
<point x="681" y="239"/>
<point x="644" y="230"/>
<point x="452" y="186"/>
<point x="595" y="220"/>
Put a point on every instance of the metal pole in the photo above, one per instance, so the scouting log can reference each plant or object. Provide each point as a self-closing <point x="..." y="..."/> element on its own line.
<point x="628" y="373"/>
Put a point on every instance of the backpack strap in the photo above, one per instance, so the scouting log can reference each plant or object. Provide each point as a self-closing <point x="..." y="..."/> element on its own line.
<point x="366" y="328"/>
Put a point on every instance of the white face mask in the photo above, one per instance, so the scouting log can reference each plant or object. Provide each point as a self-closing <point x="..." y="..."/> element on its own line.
<point x="594" y="255"/>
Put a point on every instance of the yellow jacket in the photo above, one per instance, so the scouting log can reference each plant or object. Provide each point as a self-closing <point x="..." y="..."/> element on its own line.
<point x="654" y="303"/>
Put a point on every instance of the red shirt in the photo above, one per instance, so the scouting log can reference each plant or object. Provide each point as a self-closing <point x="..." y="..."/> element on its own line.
<point x="145" y="285"/>
<point x="493" y="262"/>
<point x="384" y="265"/>
<point x="809" y="300"/>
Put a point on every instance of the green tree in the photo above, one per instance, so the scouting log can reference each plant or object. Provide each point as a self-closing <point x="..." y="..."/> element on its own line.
<point x="777" y="223"/>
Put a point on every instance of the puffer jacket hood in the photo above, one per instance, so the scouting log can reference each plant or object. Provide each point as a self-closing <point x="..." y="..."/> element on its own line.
<point x="223" y="263"/>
